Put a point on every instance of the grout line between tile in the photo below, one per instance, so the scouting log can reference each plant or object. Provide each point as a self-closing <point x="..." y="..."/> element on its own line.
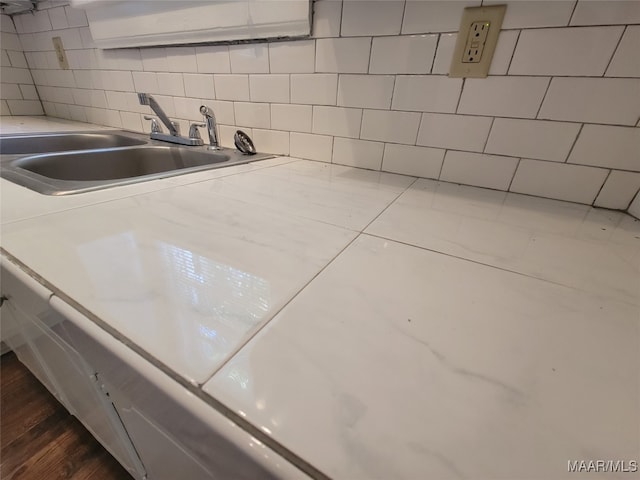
<point x="543" y="98"/>
<point x="484" y="147"/>
<point x="575" y="5"/>
<point x="464" y="82"/>
<point x="514" y="51"/>
<point x="600" y="189"/>
<point x="613" y="54"/>
<point x="514" y="175"/>
<point x="435" y="54"/>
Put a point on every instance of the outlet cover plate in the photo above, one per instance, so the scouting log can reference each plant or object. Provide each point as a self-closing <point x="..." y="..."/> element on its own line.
<point x="460" y="64"/>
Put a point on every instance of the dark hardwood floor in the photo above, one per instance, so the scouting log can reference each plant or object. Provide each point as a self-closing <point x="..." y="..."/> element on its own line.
<point x="39" y="439"/>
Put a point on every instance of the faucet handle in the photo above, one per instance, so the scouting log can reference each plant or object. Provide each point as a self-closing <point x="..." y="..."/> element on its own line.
<point x="155" y="126"/>
<point x="193" y="130"/>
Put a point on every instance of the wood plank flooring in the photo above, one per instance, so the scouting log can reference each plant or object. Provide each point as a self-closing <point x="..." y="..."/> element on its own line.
<point x="39" y="439"/>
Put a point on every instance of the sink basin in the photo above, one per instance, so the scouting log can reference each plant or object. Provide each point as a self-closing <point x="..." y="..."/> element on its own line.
<point x="113" y="164"/>
<point x="61" y="142"/>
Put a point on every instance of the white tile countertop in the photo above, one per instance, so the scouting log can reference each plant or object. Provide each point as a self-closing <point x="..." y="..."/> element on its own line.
<point x="374" y="325"/>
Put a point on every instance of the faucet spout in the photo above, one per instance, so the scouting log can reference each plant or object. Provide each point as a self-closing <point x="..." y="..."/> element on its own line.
<point x="146" y="99"/>
<point x="212" y="127"/>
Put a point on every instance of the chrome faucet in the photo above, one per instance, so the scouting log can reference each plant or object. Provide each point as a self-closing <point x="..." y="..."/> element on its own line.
<point x="174" y="135"/>
<point x="212" y="127"/>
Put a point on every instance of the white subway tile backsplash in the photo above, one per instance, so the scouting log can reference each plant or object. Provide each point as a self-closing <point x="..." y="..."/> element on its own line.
<point x="213" y="59"/>
<point x="188" y="109"/>
<point x="377" y="17"/>
<point x="227" y="133"/>
<point x="410" y="160"/>
<point x="10" y="41"/>
<point x="132" y="121"/>
<point x="608" y="146"/>
<point x="536" y="139"/>
<point x="182" y="59"/>
<point x="343" y="55"/>
<point x="4" y="108"/>
<point x="444" y="53"/>
<point x="58" y="18"/>
<point x="154" y="59"/>
<point x="311" y="147"/>
<point x="459" y="132"/>
<point x="434" y="16"/>
<point x="4" y="59"/>
<point x="231" y="87"/>
<point x="426" y="93"/>
<point x="343" y="122"/>
<point x="199" y="85"/>
<point x="256" y="115"/>
<point x="357" y="153"/>
<point x="78" y="59"/>
<point x="367" y="91"/>
<point x="10" y="92"/>
<point x="144" y="82"/>
<point x="17" y="59"/>
<point x="504" y="52"/>
<point x="37" y="21"/>
<point x="171" y="84"/>
<point x="6" y="24"/>
<point x="294" y="118"/>
<point x="503" y="96"/>
<point x="583" y="51"/>
<point x="610" y="12"/>
<point x="249" y="58"/>
<point x="292" y="57"/>
<point x="534" y="13"/>
<point x="318" y="89"/>
<point x="87" y="42"/>
<point x="16" y="75"/>
<point x="573" y="183"/>
<point x="594" y="100"/>
<point x="326" y="18"/>
<point x="224" y="111"/>
<point x="29" y="92"/>
<point x="118" y="80"/>
<point x="390" y="126"/>
<point x="25" y="107"/>
<point x="480" y="170"/>
<point x="56" y="78"/>
<point x="271" y="141"/>
<point x="626" y="61"/>
<point x="403" y="54"/>
<point x="269" y="88"/>
<point x="634" y="208"/>
<point x="618" y="190"/>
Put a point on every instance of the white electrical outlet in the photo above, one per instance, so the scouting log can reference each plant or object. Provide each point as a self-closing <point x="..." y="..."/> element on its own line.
<point x="477" y="39"/>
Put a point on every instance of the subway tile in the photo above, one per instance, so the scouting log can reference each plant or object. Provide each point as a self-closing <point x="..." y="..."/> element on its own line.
<point x="39" y="77"/>
<point x="503" y="96"/>
<point x="403" y="54"/>
<point x="626" y="61"/>
<point x="118" y="80"/>
<point x="10" y="41"/>
<point x="426" y="93"/>
<point x="83" y="78"/>
<point x="25" y="107"/>
<point x="459" y="132"/>
<point x="224" y="111"/>
<point x="434" y="16"/>
<point x="537" y="139"/>
<point x="10" y="92"/>
<point x="6" y="24"/>
<point x="80" y="59"/>
<point x="410" y="160"/>
<point x="57" y="78"/>
<point x="343" y="55"/>
<point x="227" y="133"/>
<point x="618" y="190"/>
<point x="145" y="82"/>
<point x="87" y="42"/>
<point x="270" y="141"/>
<point x="256" y="115"/>
<point x="389" y="126"/>
<point x="378" y="17"/>
<point x="573" y="183"/>
<point x="77" y="113"/>
<point x="367" y="91"/>
<point x="504" y="52"/>
<point x="213" y="59"/>
<point x="17" y="75"/>
<point x="311" y="147"/>
<point x="318" y="89"/>
<point x="611" y="12"/>
<point x="181" y="59"/>
<point x="4" y="108"/>
<point x="269" y="88"/>
<point x="37" y="21"/>
<point x="534" y="13"/>
<point x="344" y="122"/>
<point x="231" y="87"/>
<point x="188" y="109"/>
<point x="357" y="153"/>
<point x="58" y="18"/>
<point x="167" y="104"/>
<point x="4" y="58"/>
<point x="480" y="170"/>
<point x="634" y="208"/>
<point x="119" y="100"/>
<point x="29" y="92"/>
<point x="578" y="52"/>
<point x="442" y="60"/>
<point x="154" y="59"/>
<point x="76" y="17"/>
<point x="171" y="84"/>
<point x="292" y="57"/>
<point x="294" y="118"/>
<point x="326" y="18"/>
<point x="608" y="146"/>
<point x="249" y="58"/>
<point x="70" y="39"/>
<point x="593" y="100"/>
<point x="199" y="85"/>
<point x="132" y="121"/>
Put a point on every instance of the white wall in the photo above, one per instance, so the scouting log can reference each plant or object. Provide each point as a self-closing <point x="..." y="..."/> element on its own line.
<point x="557" y="117"/>
<point x="18" y="95"/>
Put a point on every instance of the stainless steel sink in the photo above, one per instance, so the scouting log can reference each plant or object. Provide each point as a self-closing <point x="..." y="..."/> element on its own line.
<point x="89" y="168"/>
<point x="62" y="142"/>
